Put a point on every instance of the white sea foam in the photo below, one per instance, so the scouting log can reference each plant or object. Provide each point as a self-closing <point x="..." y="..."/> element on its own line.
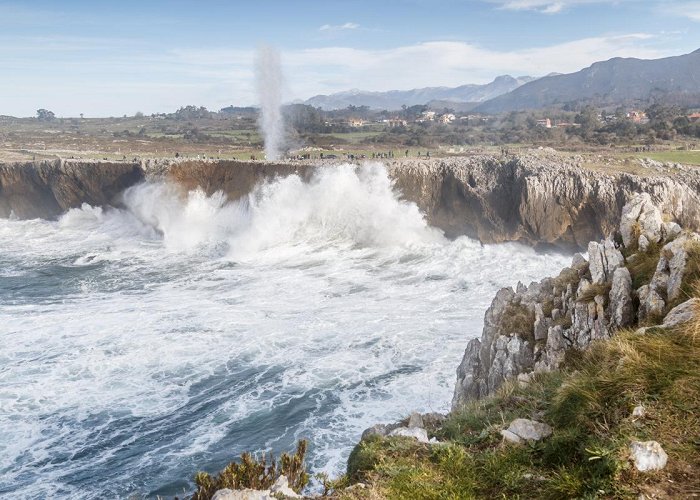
<point x="141" y="344"/>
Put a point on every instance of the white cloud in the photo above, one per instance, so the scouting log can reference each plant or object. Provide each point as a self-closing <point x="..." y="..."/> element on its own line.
<point x="691" y="10"/>
<point x="113" y="82"/>
<point x="548" y="6"/>
<point x="339" y="27"/>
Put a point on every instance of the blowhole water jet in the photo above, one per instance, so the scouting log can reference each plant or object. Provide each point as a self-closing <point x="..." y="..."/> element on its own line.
<point x="269" y="85"/>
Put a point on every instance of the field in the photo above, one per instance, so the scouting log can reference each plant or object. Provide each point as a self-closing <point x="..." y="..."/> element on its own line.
<point x="236" y="137"/>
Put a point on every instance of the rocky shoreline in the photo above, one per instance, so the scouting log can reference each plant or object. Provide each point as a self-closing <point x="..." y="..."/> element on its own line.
<point x="538" y="199"/>
<point x="640" y="234"/>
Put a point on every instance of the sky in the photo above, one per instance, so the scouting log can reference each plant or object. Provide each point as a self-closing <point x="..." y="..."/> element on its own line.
<point x="110" y="58"/>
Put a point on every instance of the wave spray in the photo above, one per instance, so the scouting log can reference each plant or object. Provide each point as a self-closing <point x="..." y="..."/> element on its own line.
<point x="268" y="72"/>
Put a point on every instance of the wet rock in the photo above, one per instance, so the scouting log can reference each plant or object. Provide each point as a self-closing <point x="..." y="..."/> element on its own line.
<point x="648" y="456"/>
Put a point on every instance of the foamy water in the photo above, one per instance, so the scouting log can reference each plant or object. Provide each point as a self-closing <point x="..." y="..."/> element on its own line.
<point x="141" y="345"/>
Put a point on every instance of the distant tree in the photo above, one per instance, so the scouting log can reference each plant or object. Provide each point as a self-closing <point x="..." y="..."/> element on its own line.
<point x="44" y="115"/>
<point x="138" y="114"/>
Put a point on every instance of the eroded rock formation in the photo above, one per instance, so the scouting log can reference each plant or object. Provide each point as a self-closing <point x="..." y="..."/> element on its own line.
<point x="537" y="199"/>
<point x="47" y="189"/>
<point x="532" y="328"/>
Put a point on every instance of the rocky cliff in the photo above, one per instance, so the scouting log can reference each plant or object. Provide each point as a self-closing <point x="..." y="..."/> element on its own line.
<point x="539" y="198"/>
<point x="641" y="277"/>
<point x="48" y="188"/>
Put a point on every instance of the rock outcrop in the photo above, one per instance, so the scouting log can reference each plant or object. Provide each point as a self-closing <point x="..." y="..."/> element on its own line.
<point x="536" y="198"/>
<point x="47" y="189"/>
<point x="523" y="429"/>
<point x="542" y="199"/>
<point x="530" y="329"/>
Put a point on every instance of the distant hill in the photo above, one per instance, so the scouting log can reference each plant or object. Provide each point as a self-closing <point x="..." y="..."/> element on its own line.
<point x="614" y="82"/>
<point x="395" y="99"/>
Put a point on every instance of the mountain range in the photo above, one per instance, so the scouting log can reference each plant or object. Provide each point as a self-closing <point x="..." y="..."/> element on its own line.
<point x="618" y="81"/>
<point x="395" y="99"/>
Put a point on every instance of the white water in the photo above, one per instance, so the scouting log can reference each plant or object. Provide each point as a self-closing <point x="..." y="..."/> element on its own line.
<point x="268" y="73"/>
<point x="141" y="345"/>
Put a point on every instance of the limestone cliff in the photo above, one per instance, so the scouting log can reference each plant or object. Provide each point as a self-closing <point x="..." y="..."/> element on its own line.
<point x="49" y="188"/>
<point x="537" y="198"/>
<point x="639" y="277"/>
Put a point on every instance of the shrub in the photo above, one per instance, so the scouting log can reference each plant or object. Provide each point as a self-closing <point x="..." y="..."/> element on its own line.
<point x="255" y="473"/>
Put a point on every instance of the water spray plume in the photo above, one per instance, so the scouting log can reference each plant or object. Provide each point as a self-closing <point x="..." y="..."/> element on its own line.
<point x="269" y="83"/>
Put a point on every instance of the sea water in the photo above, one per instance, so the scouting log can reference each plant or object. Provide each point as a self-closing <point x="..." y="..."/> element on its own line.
<point x="142" y="344"/>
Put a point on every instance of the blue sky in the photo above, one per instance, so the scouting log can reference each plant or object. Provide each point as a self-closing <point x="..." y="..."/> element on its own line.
<point x="105" y="58"/>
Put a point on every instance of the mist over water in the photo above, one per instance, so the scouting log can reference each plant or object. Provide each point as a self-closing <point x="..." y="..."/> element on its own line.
<point x="143" y="344"/>
<point x="268" y="73"/>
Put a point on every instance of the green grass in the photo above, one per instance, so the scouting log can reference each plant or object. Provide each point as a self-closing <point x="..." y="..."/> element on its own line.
<point x="678" y="156"/>
<point x="588" y="405"/>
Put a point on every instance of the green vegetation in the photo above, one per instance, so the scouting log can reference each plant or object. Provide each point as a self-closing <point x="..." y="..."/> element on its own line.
<point x="255" y="473"/>
<point x="674" y="156"/>
<point x="589" y="405"/>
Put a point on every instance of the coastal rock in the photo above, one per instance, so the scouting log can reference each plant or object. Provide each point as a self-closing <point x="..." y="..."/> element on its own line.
<point x="523" y="429"/>
<point x="651" y="304"/>
<point x="603" y="259"/>
<point x="247" y="494"/>
<point x="532" y="328"/>
<point x="281" y="487"/>
<point x="534" y="198"/>
<point x="648" y="456"/>
<point x="421" y="435"/>
<point x="621" y="303"/>
<point x="682" y="313"/>
<point x="415" y="420"/>
<point x="640" y="218"/>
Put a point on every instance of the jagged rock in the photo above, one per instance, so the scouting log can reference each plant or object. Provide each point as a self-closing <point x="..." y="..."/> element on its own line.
<point x="604" y="258"/>
<point x="281" y="487"/>
<point x="379" y="430"/>
<point x="682" y="313"/>
<point x="644" y="243"/>
<point x="621" y="303"/>
<point x="640" y="216"/>
<point x="648" y="455"/>
<point x="523" y="429"/>
<point x="541" y="323"/>
<point x="534" y="198"/>
<point x="415" y="420"/>
<point x="670" y="230"/>
<point x="651" y="304"/>
<point x="469" y="385"/>
<point x="414" y="432"/>
<point x="674" y="255"/>
<point x="578" y="261"/>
